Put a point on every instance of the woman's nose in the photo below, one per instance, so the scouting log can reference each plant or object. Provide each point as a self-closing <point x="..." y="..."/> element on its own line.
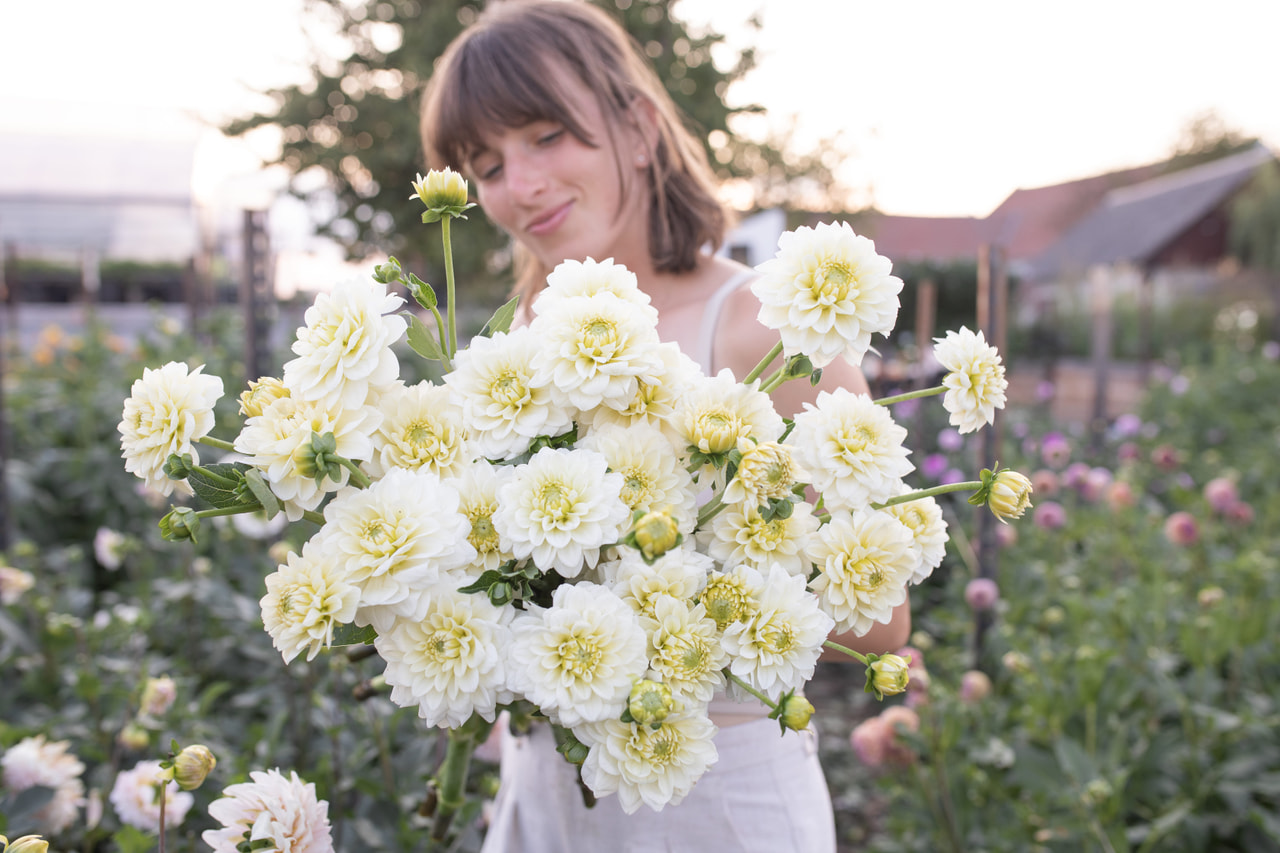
<point x="525" y="180"/>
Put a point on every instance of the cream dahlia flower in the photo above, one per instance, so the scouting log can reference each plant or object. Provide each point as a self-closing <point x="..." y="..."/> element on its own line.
<point x="657" y="397"/>
<point x="684" y="649"/>
<point x="35" y="761"/>
<point x="975" y="380"/>
<point x="767" y="471"/>
<point x="451" y="662"/>
<point x="731" y="596"/>
<point x="595" y="350"/>
<point x="423" y="429"/>
<point x="587" y="278"/>
<point x="646" y="766"/>
<point x="716" y="412"/>
<point x="865" y="560"/>
<point x="776" y="648"/>
<point x="560" y="509"/>
<point x="853" y="449"/>
<point x="307" y="597"/>
<point x="133" y="796"/>
<point x="740" y="535"/>
<point x="168" y="410"/>
<point x="504" y="404"/>
<point x="344" y="348"/>
<point x="577" y="659"/>
<point x="13" y="583"/>
<point x="680" y="573"/>
<point x="271" y="807"/>
<point x="652" y="474"/>
<point x="827" y="292"/>
<point x="477" y="488"/>
<point x="400" y="535"/>
<point x="277" y="440"/>
<point x="923" y="517"/>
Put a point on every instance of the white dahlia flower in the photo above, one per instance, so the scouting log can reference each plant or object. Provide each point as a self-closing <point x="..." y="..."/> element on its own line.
<point x="560" y="509"/>
<point x="646" y="766"/>
<point x="852" y="448"/>
<point x="13" y="583"/>
<point x="731" y="596"/>
<point x="395" y="538"/>
<point x="923" y="517"/>
<point x="740" y="535"/>
<point x="657" y="397"/>
<point x="344" y="348"/>
<point x="307" y="597"/>
<point x="35" y="761"/>
<point x="277" y="441"/>
<point x="451" y="662"/>
<point x="767" y="471"/>
<point x="577" y="659"/>
<point x="681" y="573"/>
<point x="503" y="404"/>
<point x="133" y="796"/>
<point x="777" y="647"/>
<point x="653" y="477"/>
<point x="595" y="350"/>
<point x="477" y="488"/>
<point x="422" y="429"/>
<point x="865" y="560"/>
<point x="272" y="807"/>
<point x="975" y="380"/>
<point x="684" y="649"/>
<point x="827" y="292"/>
<point x="587" y="278"/>
<point x="168" y="410"/>
<point x="716" y="412"/>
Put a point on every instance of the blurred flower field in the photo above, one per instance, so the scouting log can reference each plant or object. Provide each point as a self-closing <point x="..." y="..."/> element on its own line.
<point x="1125" y="696"/>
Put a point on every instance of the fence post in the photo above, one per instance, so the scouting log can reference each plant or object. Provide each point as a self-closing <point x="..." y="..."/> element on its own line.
<point x="256" y="295"/>
<point x="992" y="314"/>
<point x="1100" y="311"/>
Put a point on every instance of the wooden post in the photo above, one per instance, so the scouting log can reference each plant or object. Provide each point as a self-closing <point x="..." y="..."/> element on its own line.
<point x="991" y="312"/>
<point x="9" y="288"/>
<point x="1145" y="309"/>
<point x="255" y="295"/>
<point x="926" y="311"/>
<point x="1100" y="310"/>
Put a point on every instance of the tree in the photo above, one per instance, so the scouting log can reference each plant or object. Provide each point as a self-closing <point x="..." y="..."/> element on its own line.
<point x="1206" y="137"/>
<point x="355" y="125"/>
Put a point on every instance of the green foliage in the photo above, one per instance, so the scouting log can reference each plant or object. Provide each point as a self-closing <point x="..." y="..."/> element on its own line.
<point x="1255" y="221"/>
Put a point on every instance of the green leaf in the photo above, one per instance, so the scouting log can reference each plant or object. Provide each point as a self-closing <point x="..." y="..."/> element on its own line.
<point x="421" y="340"/>
<point x="424" y="293"/>
<point x="482" y="583"/>
<point x="348" y="634"/>
<point x="501" y="319"/>
<point x="129" y="839"/>
<point x="216" y="494"/>
<point x="261" y="491"/>
<point x="1075" y="761"/>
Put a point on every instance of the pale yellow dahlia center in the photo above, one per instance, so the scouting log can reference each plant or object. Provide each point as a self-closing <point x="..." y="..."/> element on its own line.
<point x="725" y="601"/>
<point x="597" y="335"/>
<point x="508" y="389"/>
<point x="483" y="536"/>
<point x="717" y="431"/>
<point x="779" y="638"/>
<point x="579" y="656"/>
<point x="556" y="501"/>
<point x="636" y="489"/>
<point x="833" y="281"/>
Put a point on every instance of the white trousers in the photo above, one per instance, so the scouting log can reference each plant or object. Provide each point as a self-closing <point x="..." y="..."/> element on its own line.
<point x="766" y="793"/>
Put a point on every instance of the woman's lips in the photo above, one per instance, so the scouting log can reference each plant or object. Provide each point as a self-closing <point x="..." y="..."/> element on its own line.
<point x="550" y="221"/>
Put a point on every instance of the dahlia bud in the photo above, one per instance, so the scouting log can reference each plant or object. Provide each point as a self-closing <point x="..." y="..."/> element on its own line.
<point x="157" y="696"/>
<point x="25" y="844"/>
<point x="650" y="703"/>
<point x="794" y="712"/>
<point x="134" y="737"/>
<point x="981" y="594"/>
<point x="887" y="675"/>
<point x="444" y="192"/>
<point x="260" y="395"/>
<point x="192" y="766"/>
<point x="975" y="686"/>
<point x="1008" y="494"/>
<point x="1210" y="596"/>
<point x="654" y="534"/>
<point x="319" y="458"/>
<point x="178" y="467"/>
<point x="180" y="524"/>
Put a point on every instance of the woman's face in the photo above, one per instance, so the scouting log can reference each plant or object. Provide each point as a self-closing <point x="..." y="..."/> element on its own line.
<point x="561" y="198"/>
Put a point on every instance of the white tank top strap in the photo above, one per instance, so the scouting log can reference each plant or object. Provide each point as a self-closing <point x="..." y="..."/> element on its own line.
<point x="711" y="317"/>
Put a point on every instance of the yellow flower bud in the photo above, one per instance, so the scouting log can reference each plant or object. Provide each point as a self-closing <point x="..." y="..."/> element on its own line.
<point x="651" y="702"/>
<point x="795" y="712"/>
<point x="134" y="737"/>
<point x="1009" y="496"/>
<point x="443" y="191"/>
<point x="260" y="395"/>
<point x="887" y="675"/>
<point x="25" y="844"/>
<point x="192" y="766"/>
<point x="158" y="696"/>
<point x="656" y="533"/>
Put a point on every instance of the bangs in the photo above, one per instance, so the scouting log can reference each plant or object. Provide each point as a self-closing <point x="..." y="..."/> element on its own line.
<point x="494" y="86"/>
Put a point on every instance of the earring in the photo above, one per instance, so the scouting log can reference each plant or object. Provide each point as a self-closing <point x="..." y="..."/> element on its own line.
<point x="642" y="159"/>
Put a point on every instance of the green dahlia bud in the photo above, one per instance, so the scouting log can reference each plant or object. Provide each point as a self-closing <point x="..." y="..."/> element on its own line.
<point x="656" y="533"/>
<point x="261" y="394"/>
<point x="444" y="192"/>
<point x="650" y="703"/>
<point x="1009" y="495"/>
<point x="795" y="712"/>
<point x="887" y="675"/>
<point x="192" y="766"/>
<point x="178" y="467"/>
<point x="180" y="524"/>
<point x="319" y="458"/>
<point x="134" y="737"/>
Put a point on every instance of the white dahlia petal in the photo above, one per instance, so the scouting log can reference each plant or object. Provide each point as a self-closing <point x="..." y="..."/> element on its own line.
<point x="477" y="488"/>
<point x="272" y="807"/>
<point x="133" y="796"/>
<point x="307" y="598"/>
<point x="741" y="535"/>
<point x="717" y="412"/>
<point x="653" y="476"/>
<point x="587" y="278"/>
<point x="923" y="517"/>
<point x="975" y="380"/>
<point x="36" y="761"/>
<point x="423" y="428"/>
<point x="646" y="766"/>
<point x="865" y="560"/>
<point x="168" y="410"/>
<point x="684" y="649"/>
<point x="776" y="648"/>
<point x="680" y="573"/>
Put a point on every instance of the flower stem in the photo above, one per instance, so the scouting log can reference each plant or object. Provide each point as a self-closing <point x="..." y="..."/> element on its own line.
<point x="217" y="478"/>
<point x="711" y="509"/>
<point x="444" y="346"/>
<point x="834" y="646"/>
<point x="227" y="510"/>
<point x="357" y="476"/>
<point x="911" y="395"/>
<point x="928" y="493"/>
<point x="216" y="442"/>
<point x="773" y="706"/>
<point x="764" y="362"/>
<point x="452" y="775"/>
<point x="162" y="795"/>
<point x="312" y="515"/>
<point x="451" y="348"/>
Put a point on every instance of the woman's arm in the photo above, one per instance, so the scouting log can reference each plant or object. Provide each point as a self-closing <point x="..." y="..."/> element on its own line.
<point x="740" y="342"/>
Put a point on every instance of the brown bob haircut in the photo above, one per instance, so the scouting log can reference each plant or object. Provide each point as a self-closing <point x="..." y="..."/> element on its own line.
<point x="500" y="73"/>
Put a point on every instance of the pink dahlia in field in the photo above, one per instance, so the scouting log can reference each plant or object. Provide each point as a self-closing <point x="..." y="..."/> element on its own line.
<point x="1240" y="514"/>
<point x="876" y="741"/>
<point x="1045" y="482"/>
<point x="1181" y="528"/>
<point x="283" y="811"/>
<point x="1055" y="450"/>
<point x="981" y="594"/>
<point x="1049" y="515"/>
<point x="1166" y="457"/>
<point x="1120" y="495"/>
<point x="975" y="685"/>
<point x="1221" y="493"/>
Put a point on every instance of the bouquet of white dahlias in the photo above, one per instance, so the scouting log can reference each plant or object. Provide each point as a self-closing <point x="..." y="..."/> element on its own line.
<point x="577" y="523"/>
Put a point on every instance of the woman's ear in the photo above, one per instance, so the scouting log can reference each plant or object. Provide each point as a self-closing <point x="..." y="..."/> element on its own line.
<point x="643" y="116"/>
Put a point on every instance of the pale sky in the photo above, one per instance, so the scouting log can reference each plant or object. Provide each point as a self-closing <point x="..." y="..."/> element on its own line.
<point x="948" y="106"/>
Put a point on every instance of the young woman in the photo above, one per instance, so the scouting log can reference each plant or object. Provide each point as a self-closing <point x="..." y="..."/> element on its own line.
<point x="575" y="149"/>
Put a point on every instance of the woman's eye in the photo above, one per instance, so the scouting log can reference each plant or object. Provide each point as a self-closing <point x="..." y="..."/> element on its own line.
<point x="551" y="136"/>
<point x="489" y="172"/>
